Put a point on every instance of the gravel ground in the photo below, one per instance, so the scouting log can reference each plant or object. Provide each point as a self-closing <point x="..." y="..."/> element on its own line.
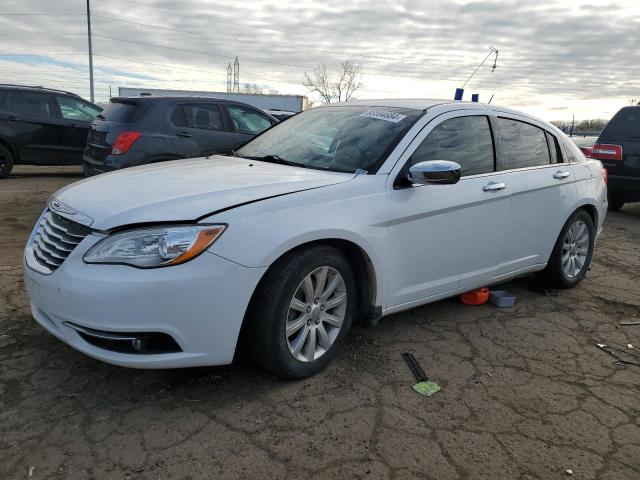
<point x="525" y="391"/>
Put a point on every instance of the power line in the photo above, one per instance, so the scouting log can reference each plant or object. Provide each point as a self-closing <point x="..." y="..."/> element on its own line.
<point x="41" y="14"/>
<point x="279" y="45"/>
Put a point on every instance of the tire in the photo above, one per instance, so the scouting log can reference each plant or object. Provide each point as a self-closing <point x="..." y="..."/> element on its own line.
<point x="561" y="275"/>
<point x="271" y="312"/>
<point x="616" y="201"/>
<point x="6" y="161"/>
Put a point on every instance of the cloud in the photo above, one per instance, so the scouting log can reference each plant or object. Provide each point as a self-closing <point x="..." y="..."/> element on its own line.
<point x="555" y="59"/>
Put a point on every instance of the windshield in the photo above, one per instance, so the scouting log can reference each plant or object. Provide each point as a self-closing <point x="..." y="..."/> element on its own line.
<point x="342" y="139"/>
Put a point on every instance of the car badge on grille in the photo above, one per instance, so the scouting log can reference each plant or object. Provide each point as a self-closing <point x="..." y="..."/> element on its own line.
<point x="59" y="207"/>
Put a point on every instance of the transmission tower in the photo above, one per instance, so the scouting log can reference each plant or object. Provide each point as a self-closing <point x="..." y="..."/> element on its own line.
<point x="229" y="77"/>
<point x="236" y="76"/>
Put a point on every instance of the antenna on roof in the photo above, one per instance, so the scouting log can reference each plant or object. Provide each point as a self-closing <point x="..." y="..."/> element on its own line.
<point x="492" y="51"/>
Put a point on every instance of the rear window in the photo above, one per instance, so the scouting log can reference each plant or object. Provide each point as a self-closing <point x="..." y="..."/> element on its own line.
<point x="120" y="112"/>
<point x="624" y="124"/>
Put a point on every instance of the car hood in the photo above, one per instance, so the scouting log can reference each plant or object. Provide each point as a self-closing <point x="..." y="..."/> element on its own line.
<point x="182" y="190"/>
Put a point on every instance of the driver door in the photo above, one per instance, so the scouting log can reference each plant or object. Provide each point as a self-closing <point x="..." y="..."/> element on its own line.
<point x="444" y="238"/>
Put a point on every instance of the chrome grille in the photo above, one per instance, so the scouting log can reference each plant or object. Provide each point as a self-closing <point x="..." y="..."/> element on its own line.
<point x="55" y="239"/>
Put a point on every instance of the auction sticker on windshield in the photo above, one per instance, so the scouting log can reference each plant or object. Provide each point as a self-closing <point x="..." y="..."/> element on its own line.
<point x="384" y="115"/>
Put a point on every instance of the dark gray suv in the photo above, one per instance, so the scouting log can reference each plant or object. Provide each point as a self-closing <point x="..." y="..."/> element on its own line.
<point x="139" y="131"/>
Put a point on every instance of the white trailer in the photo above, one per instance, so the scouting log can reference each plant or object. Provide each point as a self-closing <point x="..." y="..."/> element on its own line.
<point x="291" y="103"/>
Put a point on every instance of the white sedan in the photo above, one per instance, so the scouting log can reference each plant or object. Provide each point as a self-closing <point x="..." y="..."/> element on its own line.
<point x="341" y="214"/>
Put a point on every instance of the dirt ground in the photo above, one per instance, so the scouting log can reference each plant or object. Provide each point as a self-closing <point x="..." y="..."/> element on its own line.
<point x="525" y="391"/>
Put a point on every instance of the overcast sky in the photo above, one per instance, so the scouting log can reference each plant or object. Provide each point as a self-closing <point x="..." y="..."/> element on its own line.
<point x="557" y="58"/>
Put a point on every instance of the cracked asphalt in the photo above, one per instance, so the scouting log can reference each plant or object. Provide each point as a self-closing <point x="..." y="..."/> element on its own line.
<point x="525" y="391"/>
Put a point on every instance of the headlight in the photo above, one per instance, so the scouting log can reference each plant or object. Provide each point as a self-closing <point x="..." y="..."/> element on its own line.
<point x="155" y="247"/>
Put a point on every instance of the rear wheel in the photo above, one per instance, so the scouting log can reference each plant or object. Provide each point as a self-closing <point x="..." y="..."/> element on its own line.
<point x="616" y="201"/>
<point x="6" y="161"/>
<point x="572" y="252"/>
<point x="302" y="312"/>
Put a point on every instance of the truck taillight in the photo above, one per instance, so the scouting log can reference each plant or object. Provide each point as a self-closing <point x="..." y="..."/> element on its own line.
<point x="605" y="151"/>
<point x="123" y="142"/>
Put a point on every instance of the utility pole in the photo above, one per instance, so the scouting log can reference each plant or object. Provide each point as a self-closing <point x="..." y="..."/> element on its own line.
<point x="236" y="76"/>
<point x="229" y="76"/>
<point x="90" y="54"/>
<point x="573" y="122"/>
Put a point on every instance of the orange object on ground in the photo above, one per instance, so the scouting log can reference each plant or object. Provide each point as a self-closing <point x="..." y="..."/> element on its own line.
<point x="475" y="297"/>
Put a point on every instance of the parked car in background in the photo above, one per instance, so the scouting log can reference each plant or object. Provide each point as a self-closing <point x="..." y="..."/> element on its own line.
<point x="42" y="126"/>
<point x="142" y="130"/>
<point x="340" y="214"/>
<point x="585" y="144"/>
<point x="618" y="147"/>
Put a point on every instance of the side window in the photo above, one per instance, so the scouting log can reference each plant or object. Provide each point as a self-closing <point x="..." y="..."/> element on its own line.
<point x="554" y="148"/>
<point x="74" y="109"/>
<point x="248" y="121"/>
<point x="523" y="145"/>
<point x="203" y="116"/>
<point x="178" y="117"/>
<point x="29" y="103"/>
<point x="464" y="140"/>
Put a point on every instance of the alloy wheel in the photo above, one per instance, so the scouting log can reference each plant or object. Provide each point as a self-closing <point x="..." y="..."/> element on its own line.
<point x="316" y="314"/>
<point x="575" y="249"/>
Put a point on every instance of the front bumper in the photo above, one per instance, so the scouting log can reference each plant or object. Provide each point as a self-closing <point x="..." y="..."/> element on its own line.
<point x="200" y="304"/>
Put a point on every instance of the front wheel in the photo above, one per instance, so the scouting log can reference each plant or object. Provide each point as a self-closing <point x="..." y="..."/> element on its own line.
<point x="6" y="162"/>
<point x="302" y="312"/>
<point x="572" y="252"/>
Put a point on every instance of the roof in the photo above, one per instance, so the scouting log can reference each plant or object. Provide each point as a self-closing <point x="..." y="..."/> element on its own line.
<point x="415" y="103"/>
<point x="150" y="98"/>
<point x="445" y="104"/>
<point x="37" y="88"/>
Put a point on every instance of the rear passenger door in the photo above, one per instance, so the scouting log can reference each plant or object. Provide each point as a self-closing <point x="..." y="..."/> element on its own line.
<point x="200" y="129"/>
<point x="542" y="190"/>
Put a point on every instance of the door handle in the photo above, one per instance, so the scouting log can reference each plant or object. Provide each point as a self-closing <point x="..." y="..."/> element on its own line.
<point x="493" y="186"/>
<point x="12" y="118"/>
<point x="561" y="175"/>
<point x="183" y="134"/>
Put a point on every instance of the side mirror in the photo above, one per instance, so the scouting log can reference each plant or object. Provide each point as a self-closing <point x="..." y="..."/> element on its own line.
<point x="434" y="172"/>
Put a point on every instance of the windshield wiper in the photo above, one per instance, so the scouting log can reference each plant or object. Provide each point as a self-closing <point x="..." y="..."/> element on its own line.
<point x="277" y="159"/>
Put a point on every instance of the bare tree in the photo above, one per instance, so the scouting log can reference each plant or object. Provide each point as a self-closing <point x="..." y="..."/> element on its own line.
<point x="349" y="81"/>
<point x="318" y="81"/>
<point x="341" y="87"/>
<point x="252" y="88"/>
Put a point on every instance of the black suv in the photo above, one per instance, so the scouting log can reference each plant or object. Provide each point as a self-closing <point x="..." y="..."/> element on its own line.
<point x="142" y="130"/>
<point x="618" y="148"/>
<point x="41" y="126"/>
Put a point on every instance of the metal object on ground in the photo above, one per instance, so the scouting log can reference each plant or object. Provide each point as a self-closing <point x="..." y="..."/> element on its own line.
<point x="619" y="353"/>
<point x="424" y="386"/>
